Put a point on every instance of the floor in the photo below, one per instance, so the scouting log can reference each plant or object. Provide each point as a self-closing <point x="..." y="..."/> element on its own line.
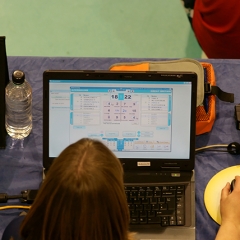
<point x="97" y="28"/>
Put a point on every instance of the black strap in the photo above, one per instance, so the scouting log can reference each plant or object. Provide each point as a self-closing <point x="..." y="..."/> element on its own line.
<point x="224" y="96"/>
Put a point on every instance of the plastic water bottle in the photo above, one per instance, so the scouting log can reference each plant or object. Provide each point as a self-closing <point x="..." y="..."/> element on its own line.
<point x="18" y="115"/>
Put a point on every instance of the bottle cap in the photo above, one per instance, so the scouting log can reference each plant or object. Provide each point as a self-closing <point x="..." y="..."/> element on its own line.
<point x="18" y="77"/>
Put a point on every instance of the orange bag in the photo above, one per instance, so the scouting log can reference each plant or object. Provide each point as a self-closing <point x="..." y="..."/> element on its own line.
<point x="206" y="118"/>
<point x="207" y="89"/>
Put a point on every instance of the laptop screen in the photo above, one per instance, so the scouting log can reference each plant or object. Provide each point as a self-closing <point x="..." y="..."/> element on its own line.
<point x="137" y="118"/>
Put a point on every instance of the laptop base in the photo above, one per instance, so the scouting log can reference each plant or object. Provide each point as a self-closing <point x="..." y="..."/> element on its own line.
<point x="151" y="232"/>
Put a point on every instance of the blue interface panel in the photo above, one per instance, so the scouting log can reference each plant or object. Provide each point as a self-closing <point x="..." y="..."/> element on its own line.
<point x="131" y="118"/>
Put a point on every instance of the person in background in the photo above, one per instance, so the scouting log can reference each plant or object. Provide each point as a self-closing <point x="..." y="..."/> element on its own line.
<point x="230" y="213"/>
<point x="216" y="25"/>
<point x="82" y="197"/>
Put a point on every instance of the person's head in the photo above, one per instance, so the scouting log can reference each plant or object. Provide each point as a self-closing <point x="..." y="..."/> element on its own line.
<point x="81" y="198"/>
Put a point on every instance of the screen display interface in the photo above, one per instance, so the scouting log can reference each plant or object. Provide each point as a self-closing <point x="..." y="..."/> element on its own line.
<point x="135" y="119"/>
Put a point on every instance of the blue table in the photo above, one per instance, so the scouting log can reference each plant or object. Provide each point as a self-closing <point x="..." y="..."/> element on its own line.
<point x="21" y="168"/>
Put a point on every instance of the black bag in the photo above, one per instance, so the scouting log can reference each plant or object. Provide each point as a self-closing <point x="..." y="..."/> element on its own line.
<point x="4" y="79"/>
<point x="189" y="8"/>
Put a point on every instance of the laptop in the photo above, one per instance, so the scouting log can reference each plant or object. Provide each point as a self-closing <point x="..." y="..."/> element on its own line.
<point x="148" y="120"/>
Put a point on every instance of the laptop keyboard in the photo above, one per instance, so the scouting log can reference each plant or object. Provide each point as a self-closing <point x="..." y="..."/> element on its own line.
<point x="162" y="205"/>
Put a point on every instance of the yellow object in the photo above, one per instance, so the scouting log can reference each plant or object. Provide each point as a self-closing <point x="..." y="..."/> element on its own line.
<point x="14" y="206"/>
<point x="213" y="190"/>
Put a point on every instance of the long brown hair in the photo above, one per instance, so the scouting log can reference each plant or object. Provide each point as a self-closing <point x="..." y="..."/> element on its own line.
<point x="81" y="198"/>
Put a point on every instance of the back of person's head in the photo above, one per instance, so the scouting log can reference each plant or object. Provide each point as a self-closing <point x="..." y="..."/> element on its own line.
<point x="81" y="198"/>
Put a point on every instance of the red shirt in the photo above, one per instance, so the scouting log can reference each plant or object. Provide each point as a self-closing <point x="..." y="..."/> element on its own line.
<point x="216" y="24"/>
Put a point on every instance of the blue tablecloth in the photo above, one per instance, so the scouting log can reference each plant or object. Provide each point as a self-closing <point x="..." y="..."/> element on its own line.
<point x="21" y="168"/>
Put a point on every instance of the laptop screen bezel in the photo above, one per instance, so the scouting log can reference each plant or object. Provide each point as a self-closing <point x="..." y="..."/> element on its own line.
<point x="128" y="164"/>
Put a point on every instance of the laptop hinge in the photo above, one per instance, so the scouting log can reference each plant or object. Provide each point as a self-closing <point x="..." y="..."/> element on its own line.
<point x="154" y="177"/>
<point x="170" y="168"/>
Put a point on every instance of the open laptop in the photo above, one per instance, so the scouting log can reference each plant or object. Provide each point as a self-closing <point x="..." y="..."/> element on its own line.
<point x="148" y="120"/>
